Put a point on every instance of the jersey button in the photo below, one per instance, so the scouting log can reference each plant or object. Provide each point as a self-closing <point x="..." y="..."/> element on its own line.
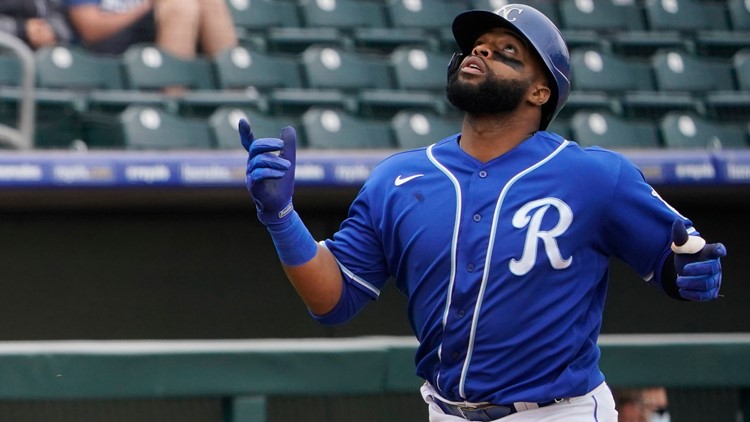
<point x="470" y="267"/>
<point x="461" y="313"/>
<point x="477" y="218"/>
<point x="456" y="355"/>
<point x="482" y="174"/>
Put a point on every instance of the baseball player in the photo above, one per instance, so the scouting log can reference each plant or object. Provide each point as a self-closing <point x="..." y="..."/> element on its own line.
<point x="500" y="236"/>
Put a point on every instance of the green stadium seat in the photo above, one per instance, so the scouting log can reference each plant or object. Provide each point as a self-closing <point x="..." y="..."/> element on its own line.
<point x="418" y="68"/>
<point x="150" y="128"/>
<point x="418" y="128"/>
<point x="601" y="15"/>
<point x="432" y="18"/>
<point x="599" y="70"/>
<point x="10" y="69"/>
<point x="691" y="131"/>
<point x="680" y="71"/>
<point x="733" y="105"/>
<point x="332" y="77"/>
<point x="326" y="67"/>
<point x="685" y="15"/>
<point x="739" y="14"/>
<point x="589" y="100"/>
<point x="148" y="67"/>
<point x="223" y="124"/>
<point x="244" y="78"/>
<point x="741" y="64"/>
<point x="362" y="23"/>
<point x="257" y="17"/>
<point x="74" y="68"/>
<point x="418" y="81"/>
<point x="328" y="128"/>
<point x="610" y="131"/>
<point x="276" y="25"/>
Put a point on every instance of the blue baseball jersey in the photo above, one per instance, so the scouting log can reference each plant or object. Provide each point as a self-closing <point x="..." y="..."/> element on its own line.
<point x="504" y="263"/>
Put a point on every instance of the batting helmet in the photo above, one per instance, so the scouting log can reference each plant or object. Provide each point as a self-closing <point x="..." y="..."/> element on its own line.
<point x="538" y="31"/>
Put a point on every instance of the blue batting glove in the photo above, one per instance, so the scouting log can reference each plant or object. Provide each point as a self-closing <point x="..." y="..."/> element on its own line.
<point x="698" y="264"/>
<point x="270" y="172"/>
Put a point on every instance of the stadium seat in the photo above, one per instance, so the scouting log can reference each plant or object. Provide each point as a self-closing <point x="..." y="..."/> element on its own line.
<point x="417" y="68"/>
<point x="599" y="70"/>
<point x="244" y="79"/>
<point x="239" y="68"/>
<point x="418" y="128"/>
<point x="148" y="67"/>
<point x="419" y="77"/>
<point x="151" y="128"/>
<point x="689" y="130"/>
<point x="256" y="17"/>
<point x="332" y="77"/>
<point x="609" y="131"/>
<point x="223" y="124"/>
<point x="589" y="100"/>
<point x="685" y="15"/>
<point x="629" y="81"/>
<point x="347" y="16"/>
<point x="432" y="18"/>
<point x="732" y="105"/>
<point x="327" y="67"/>
<point x="328" y="128"/>
<point x="74" y="68"/>
<point x="276" y="25"/>
<point x="741" y="64"/>
<point x="680" y="71"/>
<point x="10" y="69"/>
<point x="601" y="15"/>
<point x="739" y="14"/>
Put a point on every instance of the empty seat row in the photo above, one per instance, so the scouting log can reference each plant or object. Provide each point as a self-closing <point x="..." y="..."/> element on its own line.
<point x="605" y="15"/>
<point x="668" y="70"/>
<point x="239" y="76"/>
<point x="631" y="24"/>
<point x="151" y="128"/>
<point x="675" y="130"/>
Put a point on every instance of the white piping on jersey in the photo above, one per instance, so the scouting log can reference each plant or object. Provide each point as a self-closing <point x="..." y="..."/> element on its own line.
<point x="488" y="256"/>
<point x="353" y="276"/>
<point x="454" y="243"/>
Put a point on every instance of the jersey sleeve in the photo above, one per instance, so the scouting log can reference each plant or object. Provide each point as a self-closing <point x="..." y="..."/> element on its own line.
<point x="358" y="250"/>
<point x="638" y="222"/>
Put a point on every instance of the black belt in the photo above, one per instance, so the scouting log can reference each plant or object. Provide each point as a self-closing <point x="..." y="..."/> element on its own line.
<point x="488" y="412"/>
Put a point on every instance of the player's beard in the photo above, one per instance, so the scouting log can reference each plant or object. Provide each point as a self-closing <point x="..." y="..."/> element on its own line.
<point x="491" y="96"/>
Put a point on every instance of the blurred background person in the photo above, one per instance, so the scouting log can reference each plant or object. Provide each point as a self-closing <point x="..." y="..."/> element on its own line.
<point x="39" y="23"/>
<point x="642" y="405"/>
<point x="181" y="27"/>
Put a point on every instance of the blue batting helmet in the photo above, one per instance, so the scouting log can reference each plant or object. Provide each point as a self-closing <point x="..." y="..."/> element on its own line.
<point x="534" y="27"/>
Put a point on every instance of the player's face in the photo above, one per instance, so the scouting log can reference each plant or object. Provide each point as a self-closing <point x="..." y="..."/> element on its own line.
<point x="496" y="77"/>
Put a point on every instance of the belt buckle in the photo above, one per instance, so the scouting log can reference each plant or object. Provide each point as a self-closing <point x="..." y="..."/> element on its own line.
<point x="468" y="409"/>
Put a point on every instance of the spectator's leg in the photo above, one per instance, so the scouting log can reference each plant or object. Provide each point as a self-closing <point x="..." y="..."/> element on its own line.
<point x="177" y="26"/>
<point x="216" y="27"/>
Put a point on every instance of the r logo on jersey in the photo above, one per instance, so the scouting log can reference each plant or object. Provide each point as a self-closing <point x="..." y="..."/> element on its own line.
<point x="531" y="215"/>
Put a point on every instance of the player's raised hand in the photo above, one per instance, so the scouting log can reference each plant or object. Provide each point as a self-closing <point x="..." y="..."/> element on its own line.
<point x="270" y="172"/>
<point x="698" y="264"/>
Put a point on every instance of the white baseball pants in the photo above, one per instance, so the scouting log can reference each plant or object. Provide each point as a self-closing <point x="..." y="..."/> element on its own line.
<point x="597" y="405"/>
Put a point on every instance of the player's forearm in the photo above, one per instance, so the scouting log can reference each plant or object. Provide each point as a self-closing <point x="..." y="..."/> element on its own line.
<point x="94" y="25"/>
<point x="318" y="281"/>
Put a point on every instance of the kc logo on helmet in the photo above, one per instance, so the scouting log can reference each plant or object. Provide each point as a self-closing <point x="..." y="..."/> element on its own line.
<point x="507" y="10"/>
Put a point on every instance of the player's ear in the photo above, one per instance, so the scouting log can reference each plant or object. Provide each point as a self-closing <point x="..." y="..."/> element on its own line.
<point x="540" y="93"/>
